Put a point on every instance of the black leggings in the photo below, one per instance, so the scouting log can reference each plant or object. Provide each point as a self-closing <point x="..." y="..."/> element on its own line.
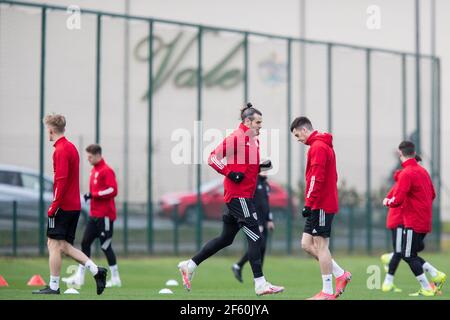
<point x="413" y="243"/>
<point x="244" y="258"/>
<point x="96" y="228"/>
<point x="397" y="235"/>
<point x="226" y="238"/>
<point x="410" y="247"/>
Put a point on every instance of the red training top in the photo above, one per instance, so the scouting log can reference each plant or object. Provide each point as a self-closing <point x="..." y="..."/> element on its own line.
<point x="321" y="175"/>
<point x="66" y="181"/>
<point x="394" y="216"/>
<point x="415" y="195"/>
<point x="103" y="188"/>
<point x="241" y="151"/>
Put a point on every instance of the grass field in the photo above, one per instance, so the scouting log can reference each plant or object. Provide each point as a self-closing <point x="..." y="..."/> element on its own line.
<point x="143" y="278"/>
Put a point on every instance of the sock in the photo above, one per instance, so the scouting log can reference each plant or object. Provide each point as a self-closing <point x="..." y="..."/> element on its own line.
<point x="81" y="270"/>
<point x="236" y="266"/>
<point x="389" y="279"/>
<point x="260" y="281"/>
<point x="54" y="283"/>
<point x="114" y="271"/>
<point x="390" y="255"/>
<point x="191" y="265"/>
<point x="430" y="269"/>
<point x="327" y="283"/>
<point x="424" y="281"/>
<point x="337" y="270"/>
<point x="92" y="267"/>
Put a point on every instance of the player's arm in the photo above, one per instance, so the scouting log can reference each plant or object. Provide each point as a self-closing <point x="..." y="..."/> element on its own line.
<point x="314" y="183"/>
<point x="403" y="187"/>
<point x="61" y="177"/>
<point x="223" y="150"/>
<point x="109" y="188"/>
<point x="389" y="195"/>
<point x="215" y="159"/>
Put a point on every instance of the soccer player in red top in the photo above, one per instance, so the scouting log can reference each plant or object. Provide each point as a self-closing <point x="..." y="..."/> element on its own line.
<point x="237" y="158"/>
<point x="394" y="222"/>
<point x="321" y="204"/>
<point x="414" y="195"/>
<point x="103" y="190"/>
<point x="64" y="211"/>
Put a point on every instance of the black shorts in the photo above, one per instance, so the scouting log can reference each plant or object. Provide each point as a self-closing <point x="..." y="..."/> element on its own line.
<point x="101" y="228"/>
<point x="397" y="235"/>
<point x="412" y="243"/>
<point x="318" y="224"/>
<point x="241" y="210"/>
<point x="63" y="225"/>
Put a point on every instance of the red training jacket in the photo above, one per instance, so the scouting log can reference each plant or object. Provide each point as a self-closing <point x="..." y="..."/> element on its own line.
<point x="394" y="216"/>
<point x="241" y="152"/>
<point x="103" y="188"/>
<point x="321" y="176"/>
<point x="66" y="181"/>
<point x="415" y="194"/>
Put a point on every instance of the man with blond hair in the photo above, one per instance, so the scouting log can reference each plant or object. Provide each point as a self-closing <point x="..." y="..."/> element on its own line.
<point x="64" y="211"/>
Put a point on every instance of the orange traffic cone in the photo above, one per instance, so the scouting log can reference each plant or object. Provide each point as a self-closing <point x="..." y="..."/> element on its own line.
<point x="36" y="280"/>
<point x="3" y="282"/>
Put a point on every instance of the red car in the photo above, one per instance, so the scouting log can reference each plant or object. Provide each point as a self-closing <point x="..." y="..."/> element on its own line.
<point x="213" y="203"/>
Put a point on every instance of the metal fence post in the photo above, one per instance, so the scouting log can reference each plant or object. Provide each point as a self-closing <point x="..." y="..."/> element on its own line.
<point x="289" y="146"/>
<point x="246" y="68"/>
<point x="329" y="86"/>
<point x="14" y="229"/>
<point x="125" y="227"/>
<point x="41" y="130"/>
<point x="351" y="229"/>
<point x="368" y="155"/>
<point x="175" y="230"/>
<point x="418" y="86"/>
<point x="404" y="99"/>
<point x="438" y="155"/>
<point x="150" y="140"/>
<point x="199" y="137"/>
<point x="98" y="77"/>
<point x="330" y="107"/>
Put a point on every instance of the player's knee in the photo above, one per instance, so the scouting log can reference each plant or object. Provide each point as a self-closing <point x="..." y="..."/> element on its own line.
<point x="407" y="259"/>
<point x="308" y="247"/>
<point x="263" y="246"/>
<point x="227" y="241"/>
<point x="106" y="249"/>
<point x="53" y="244"/>
<point x="64" y="247"/>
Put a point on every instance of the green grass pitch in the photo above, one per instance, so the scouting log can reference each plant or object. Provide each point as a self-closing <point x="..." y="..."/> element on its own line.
<point x="143" y="278"/>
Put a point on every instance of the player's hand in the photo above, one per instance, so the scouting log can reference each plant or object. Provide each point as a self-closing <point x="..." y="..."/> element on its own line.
<point x="270" y="226"/>
<point x="385" y="202"/>
<point x="87" y="196"/>
<point x="237" y="177"/>
<point x="306" y="212"/>
<point x="51" y="212"/>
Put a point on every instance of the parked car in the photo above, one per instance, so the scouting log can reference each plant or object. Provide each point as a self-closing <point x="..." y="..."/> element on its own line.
<point x="213" y="203"/>
<point x="22" y="185"/>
